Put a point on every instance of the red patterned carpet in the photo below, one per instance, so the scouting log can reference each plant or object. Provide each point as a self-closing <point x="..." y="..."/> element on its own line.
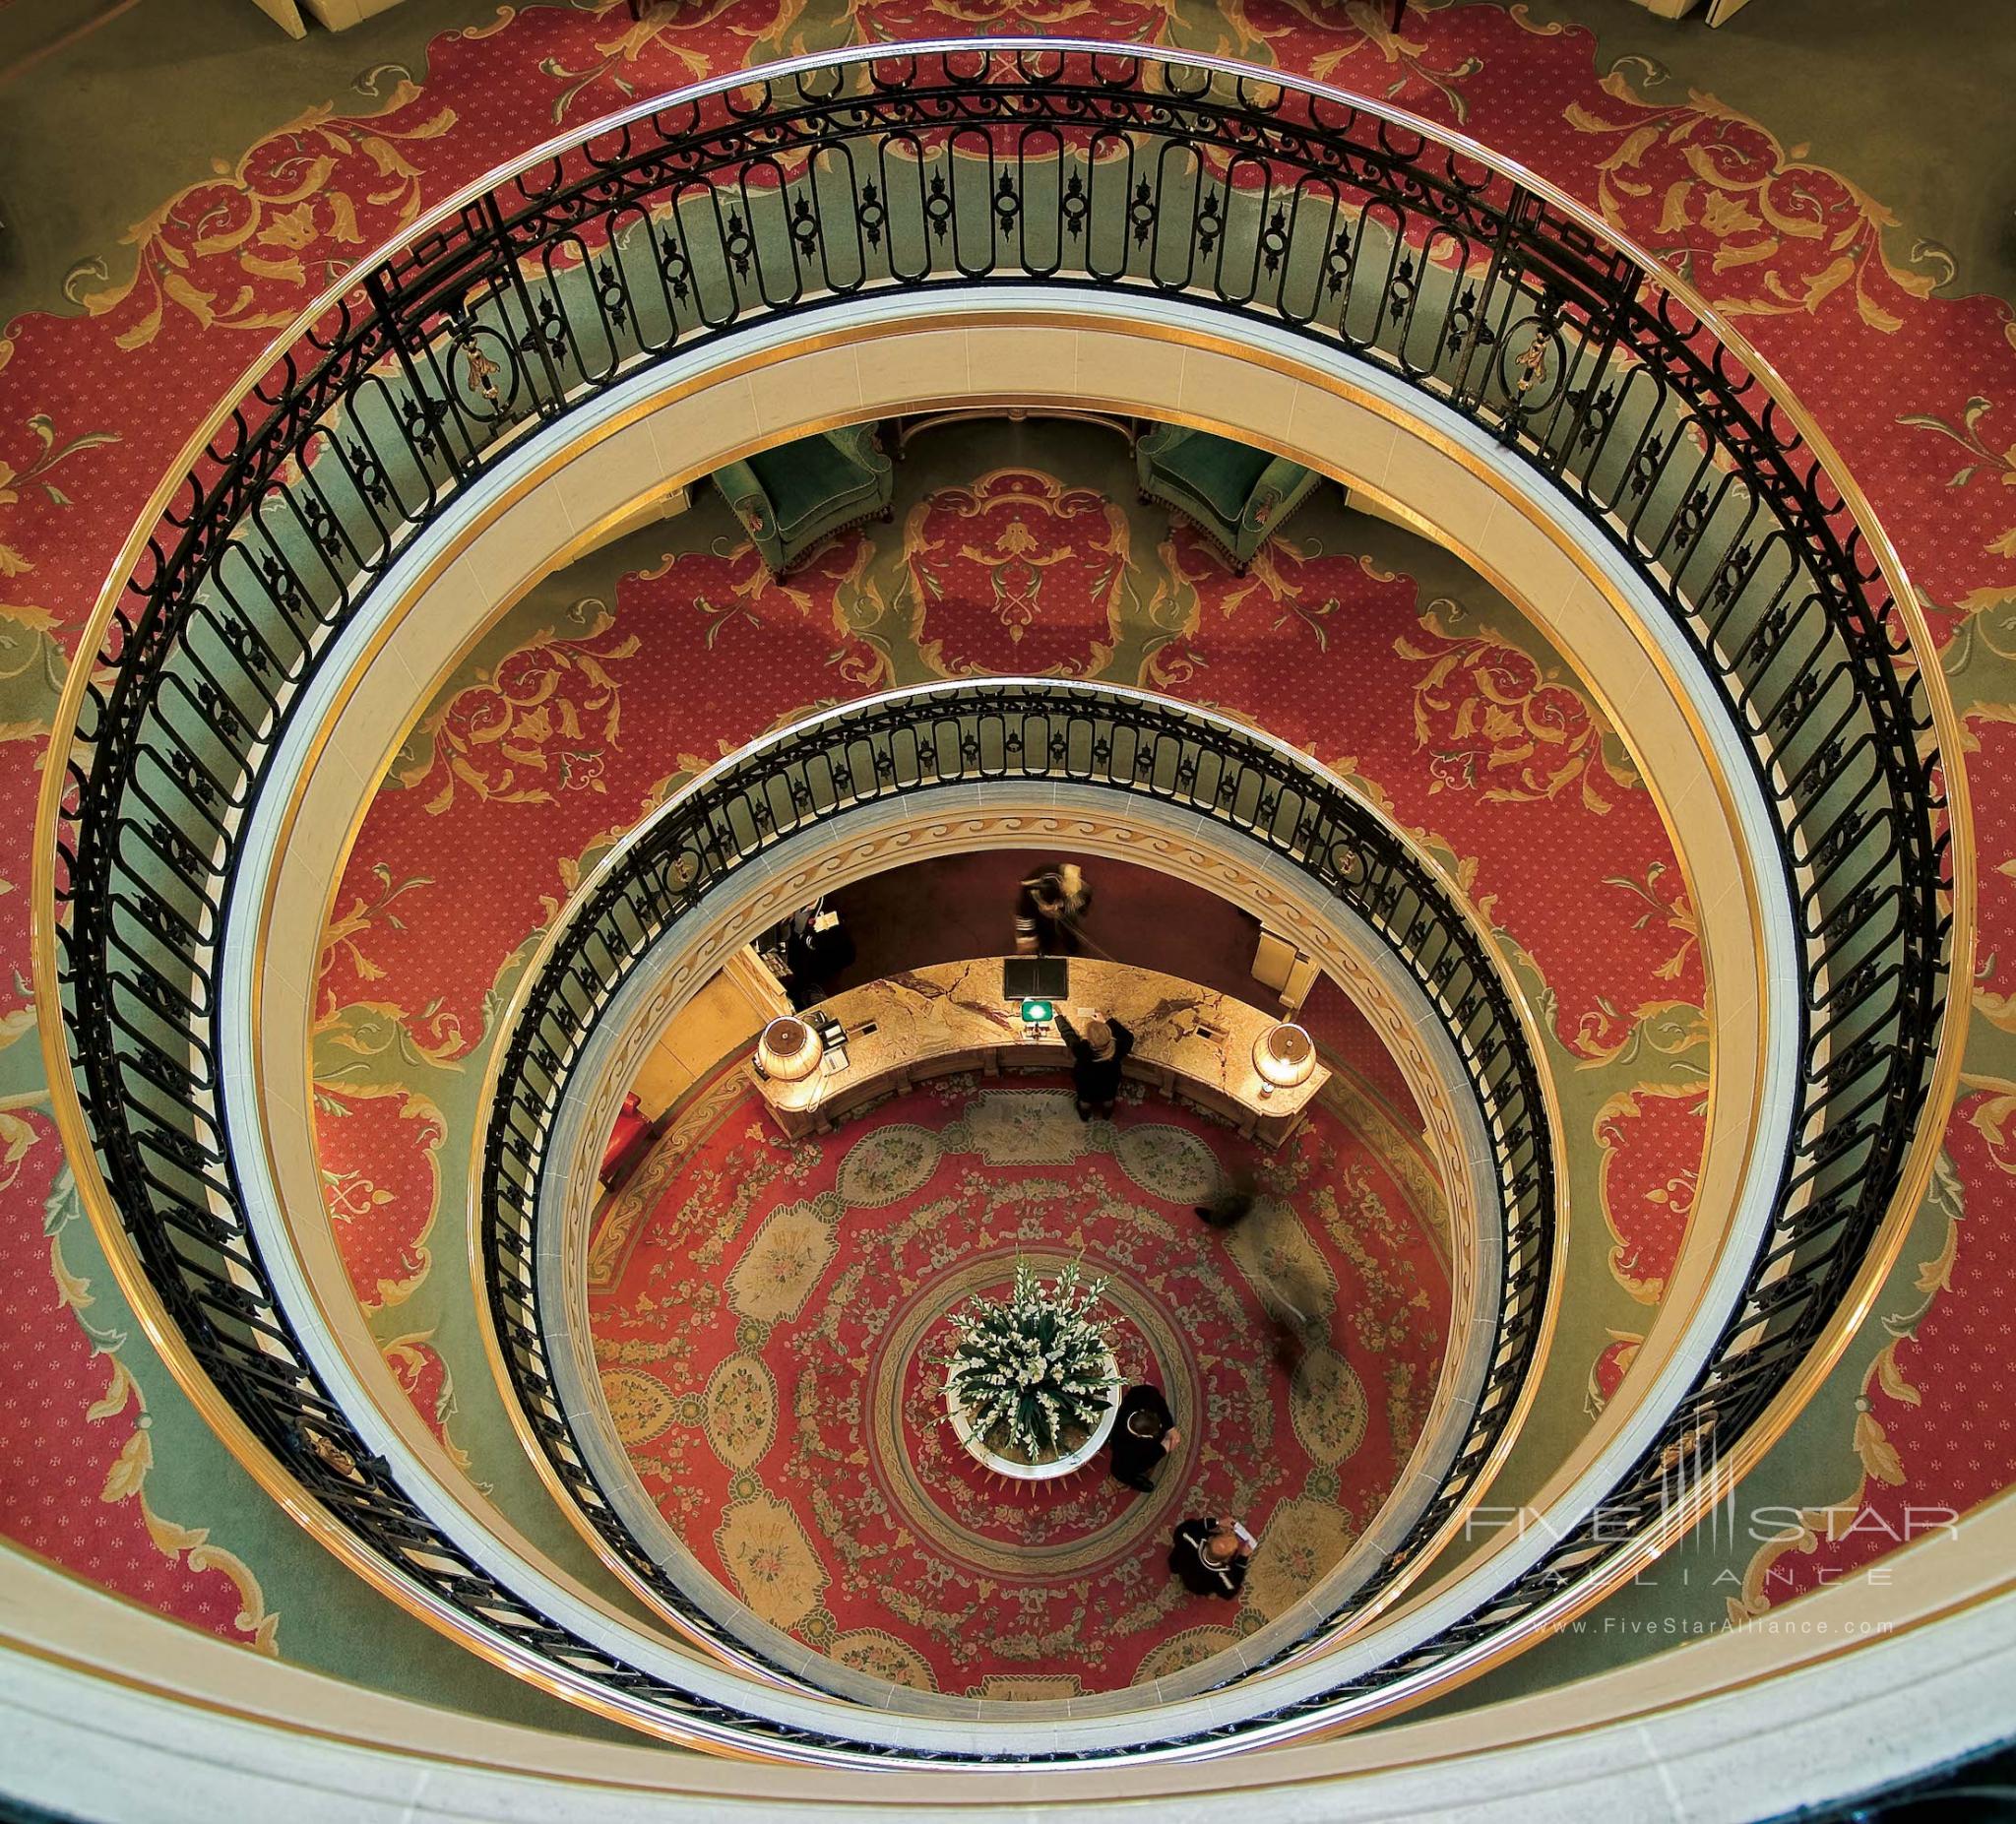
<point x="1917" y="392"/>
<point x="84" y="1505"/>
<point x="766" y="1317"/>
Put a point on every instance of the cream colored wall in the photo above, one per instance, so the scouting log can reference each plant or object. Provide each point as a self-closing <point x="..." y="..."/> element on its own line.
<point x="723" y="1015"/>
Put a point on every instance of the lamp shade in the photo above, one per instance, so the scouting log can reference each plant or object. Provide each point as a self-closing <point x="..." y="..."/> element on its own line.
<point x="789" y="1050"/>
<point x="1285" y="1055"/>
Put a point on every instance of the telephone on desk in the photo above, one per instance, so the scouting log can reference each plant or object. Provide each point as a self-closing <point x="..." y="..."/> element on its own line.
<point x="832" y="1035"/>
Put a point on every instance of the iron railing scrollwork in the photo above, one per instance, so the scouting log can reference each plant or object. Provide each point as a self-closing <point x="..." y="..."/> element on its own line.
<point x="1039" y="733"/>
<point x="1351" y="229"/>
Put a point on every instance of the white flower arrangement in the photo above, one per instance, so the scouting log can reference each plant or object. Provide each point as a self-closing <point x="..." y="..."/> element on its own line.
<point x="1034" y="1372"/>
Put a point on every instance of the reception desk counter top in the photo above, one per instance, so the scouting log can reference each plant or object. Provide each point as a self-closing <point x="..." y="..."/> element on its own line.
<point x="953" y="1016"/>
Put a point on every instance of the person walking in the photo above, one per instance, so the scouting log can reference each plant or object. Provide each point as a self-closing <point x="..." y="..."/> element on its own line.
<point x="1231" y="1202"/>
<point x="1048" y="907"/>
<point x="1210" y="1556"/>
<point x="1097" y="1055"/>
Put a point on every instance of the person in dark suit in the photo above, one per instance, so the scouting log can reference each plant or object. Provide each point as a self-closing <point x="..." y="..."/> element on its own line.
<point x="816" y="952"/>
<point x="1144" y="1433"/>
<point x="1048" y="907"/>
<point x="1097" y="1055"/>
<point x="1210" y="1556"/>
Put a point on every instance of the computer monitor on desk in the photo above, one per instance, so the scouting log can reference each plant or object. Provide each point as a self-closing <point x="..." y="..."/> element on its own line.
<point x="1036" y="978"/>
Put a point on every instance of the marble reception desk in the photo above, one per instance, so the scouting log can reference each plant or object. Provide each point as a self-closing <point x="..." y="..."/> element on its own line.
<point x="928" y="1022"/>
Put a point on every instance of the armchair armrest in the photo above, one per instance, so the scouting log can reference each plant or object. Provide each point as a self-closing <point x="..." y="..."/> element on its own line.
<point x="1234" y="493"/>
<point x="862" y="445"/>
<point x="748" y="500"/>
<point x="1280" y="487"/>
<point x="744" y="494"/>
<point x="1162" y="440"/>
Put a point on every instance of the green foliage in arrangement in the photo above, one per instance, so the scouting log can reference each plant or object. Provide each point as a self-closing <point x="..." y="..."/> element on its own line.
<point x="1033" y="1371"/>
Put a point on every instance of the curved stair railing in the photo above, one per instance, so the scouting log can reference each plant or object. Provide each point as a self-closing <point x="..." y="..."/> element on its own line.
<point x="1008" y="731"/>
<point x="1086" y="168"/>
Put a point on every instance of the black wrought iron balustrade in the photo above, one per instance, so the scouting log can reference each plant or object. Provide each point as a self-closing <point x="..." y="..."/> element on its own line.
<point x="1351" y="230"/>
<point x="1018" y="729"/>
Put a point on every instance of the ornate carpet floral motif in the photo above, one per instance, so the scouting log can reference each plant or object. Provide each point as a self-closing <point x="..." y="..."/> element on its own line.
<point x="1138" y="22"/>
<point x="888" y="1164"/>
<point x="1611" y="1365"/>
<point x="380" y="1185"/>
<point x="425" y="1379"/>
<point x="1779" y="236"/>
<point x="1646" y="1198"/>
<point x="1495" y="724"/>
<point x="639" y="51"/>
<point x="990" y="559"/>
<point x="785" y="1400"/>
<point x="250" y="248"/>
<point x="1978" y="458"/>
<point x="541" y="721"/>
<point x="76" y="1442"/>
<point x="1357" y="46"/>
<point x="38" y="478"/>
<point x="787" y="1257"/>
<point x="775" y="1567"/>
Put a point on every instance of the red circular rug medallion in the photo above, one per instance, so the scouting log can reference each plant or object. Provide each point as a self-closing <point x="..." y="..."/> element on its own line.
<point x="770" y="1318"/>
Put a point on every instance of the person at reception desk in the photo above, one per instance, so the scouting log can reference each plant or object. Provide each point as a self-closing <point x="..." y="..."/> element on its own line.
<point x="1144" y="1433"/>
<point x="1097" y="1055"/>
<point x="816" y="951"/>
<point x="1048" y="907"/>
<point x="940" y="1018"/>
<point x="1210" y="1556"/>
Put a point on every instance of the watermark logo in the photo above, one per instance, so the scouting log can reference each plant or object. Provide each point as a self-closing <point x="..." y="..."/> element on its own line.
<point x="1690" y="1481"/>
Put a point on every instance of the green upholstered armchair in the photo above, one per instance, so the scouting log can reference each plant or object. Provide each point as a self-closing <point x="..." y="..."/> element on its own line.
<point x="791" y="497"/>
<point x="1236" y="494"/>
